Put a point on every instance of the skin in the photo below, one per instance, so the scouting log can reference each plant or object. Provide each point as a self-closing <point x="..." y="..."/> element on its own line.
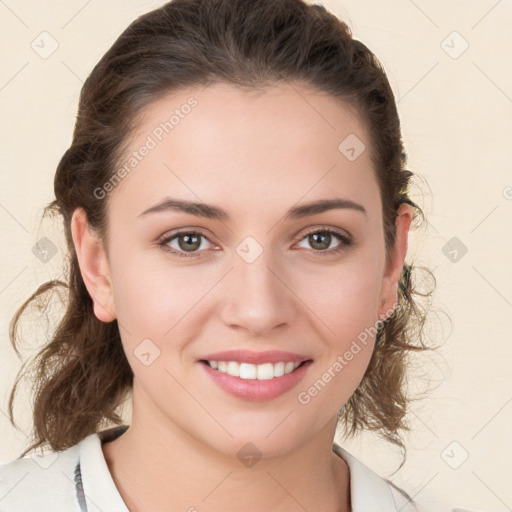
<point x="254" y="154"/>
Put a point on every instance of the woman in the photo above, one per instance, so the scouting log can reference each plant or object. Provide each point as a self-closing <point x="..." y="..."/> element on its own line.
<point x="235" y="203"/>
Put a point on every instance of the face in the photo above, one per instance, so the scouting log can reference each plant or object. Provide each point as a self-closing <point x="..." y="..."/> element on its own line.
<point x="249" y="269"/>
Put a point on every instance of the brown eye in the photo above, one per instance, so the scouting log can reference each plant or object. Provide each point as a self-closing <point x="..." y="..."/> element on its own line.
<point x="189" y="242"/>
<point x="184" y="242"/>
<point x="321" y="239"/>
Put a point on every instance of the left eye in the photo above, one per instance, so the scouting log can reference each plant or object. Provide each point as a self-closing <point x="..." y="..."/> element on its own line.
<point x="322" y="238"/>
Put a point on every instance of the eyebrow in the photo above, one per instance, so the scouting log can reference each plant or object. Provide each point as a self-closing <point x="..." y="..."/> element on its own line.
<point x="214" y="212"/>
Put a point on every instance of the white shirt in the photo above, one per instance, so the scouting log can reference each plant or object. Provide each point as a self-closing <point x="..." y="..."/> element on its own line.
<point x="78" y="480"/>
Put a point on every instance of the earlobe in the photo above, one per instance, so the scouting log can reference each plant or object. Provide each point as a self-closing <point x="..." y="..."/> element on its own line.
<point x="394" y="267"/>
<point x="94" y="266"/>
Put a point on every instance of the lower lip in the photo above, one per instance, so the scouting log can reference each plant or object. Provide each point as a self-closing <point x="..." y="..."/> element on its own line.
<point x="254" y="389"/>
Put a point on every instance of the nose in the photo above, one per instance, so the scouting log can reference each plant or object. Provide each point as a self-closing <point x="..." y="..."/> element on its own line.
<point x="257" y="298"/>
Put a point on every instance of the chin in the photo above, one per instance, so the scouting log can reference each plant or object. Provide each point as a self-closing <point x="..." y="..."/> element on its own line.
<point x="262" y="443"/>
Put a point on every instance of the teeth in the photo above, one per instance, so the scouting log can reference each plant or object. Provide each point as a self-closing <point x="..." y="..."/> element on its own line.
<point x="289" y="367"/>
<point x="233" y="369"/>
<point x="264" y="371"/>
<point x="279" y="369"/>
<point x="248" y="371"/>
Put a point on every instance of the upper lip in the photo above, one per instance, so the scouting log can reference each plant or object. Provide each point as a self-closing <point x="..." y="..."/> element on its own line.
<point x="246" y="356"/>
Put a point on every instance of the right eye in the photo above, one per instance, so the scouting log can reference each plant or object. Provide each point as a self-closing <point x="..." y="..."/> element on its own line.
<point x="185" y="242"/>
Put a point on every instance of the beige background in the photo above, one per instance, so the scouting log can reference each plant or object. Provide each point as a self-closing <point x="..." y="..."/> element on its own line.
<point x="455" y="108"/>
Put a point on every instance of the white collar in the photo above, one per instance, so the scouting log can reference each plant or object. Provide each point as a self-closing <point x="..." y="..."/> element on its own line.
<point x="99" y="488"/>
<point x="369" y="492"/>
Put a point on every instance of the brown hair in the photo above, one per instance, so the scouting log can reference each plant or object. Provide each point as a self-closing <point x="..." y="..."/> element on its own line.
<point x="81" y="375"/>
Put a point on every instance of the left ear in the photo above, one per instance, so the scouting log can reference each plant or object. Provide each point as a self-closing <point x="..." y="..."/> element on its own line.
<point x="394" y="266"/>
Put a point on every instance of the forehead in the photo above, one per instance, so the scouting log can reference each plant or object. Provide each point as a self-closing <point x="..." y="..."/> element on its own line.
<point x="247" y="148"/>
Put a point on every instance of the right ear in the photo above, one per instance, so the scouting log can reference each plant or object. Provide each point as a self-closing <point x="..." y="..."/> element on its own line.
<point x="94" y="266"/>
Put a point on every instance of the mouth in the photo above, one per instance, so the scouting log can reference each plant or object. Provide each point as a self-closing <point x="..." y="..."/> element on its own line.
<point x="256" y="375"/>
<point x="249" y="371"/>
<point x="256" y="382"/>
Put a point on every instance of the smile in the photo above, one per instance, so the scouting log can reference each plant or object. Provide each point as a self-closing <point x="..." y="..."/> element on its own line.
<point x="265" y="371"/>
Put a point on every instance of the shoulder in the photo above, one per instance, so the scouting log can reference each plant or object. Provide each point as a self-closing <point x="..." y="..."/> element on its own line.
<point x="66" y="480"/>
<point x="40" y="482"/>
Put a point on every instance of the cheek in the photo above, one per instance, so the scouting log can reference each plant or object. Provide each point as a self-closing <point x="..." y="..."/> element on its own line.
<point x="346" y="296"/>
<point x="157" y="311"/>
<point x="345" y="299"/>
<point x="152" y="298"/>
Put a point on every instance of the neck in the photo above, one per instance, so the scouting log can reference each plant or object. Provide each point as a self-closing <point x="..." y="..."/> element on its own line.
<point x="158" y="466"/>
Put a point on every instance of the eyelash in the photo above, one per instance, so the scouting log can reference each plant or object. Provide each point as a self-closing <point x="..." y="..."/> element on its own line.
<point x="346" y="242"/>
